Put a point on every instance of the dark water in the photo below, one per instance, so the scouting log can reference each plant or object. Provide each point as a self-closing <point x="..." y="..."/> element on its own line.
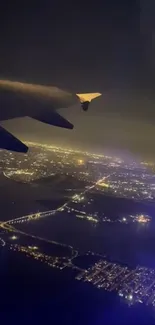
<point x="126" y="243"/>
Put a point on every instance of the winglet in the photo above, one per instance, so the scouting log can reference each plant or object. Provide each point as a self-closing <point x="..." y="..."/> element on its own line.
<point x="88" y="97"/>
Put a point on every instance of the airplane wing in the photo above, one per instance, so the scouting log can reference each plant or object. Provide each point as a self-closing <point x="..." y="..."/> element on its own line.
<point x="39" y="102"/>
<point x="9" y="142"/>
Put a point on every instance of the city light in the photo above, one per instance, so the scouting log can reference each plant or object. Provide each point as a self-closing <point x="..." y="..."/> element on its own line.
<point x="143" y="218"/>
<point x="130" y="297"/>
<point x="104" y="184"/>
<point x="14" y="237"/>
<point x="49" y="160"/>
<point x="80" y="161"/>
<point x="33" y="247"/>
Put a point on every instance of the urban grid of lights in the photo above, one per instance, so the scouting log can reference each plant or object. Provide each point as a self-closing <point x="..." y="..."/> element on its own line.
<point x="101" y="174"/>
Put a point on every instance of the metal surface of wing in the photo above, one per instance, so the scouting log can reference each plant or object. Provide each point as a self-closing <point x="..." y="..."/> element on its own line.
<point x="9" y="142"/>
<point x="53" y="118"/>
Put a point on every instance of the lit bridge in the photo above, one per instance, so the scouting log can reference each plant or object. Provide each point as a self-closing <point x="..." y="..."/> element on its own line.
<point x="30" y="217"/>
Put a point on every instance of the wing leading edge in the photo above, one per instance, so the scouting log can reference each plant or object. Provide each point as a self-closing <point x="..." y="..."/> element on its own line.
<point x="9" y="142"/>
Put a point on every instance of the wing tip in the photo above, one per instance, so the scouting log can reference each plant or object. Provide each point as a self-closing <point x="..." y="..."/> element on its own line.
<point x="21" y="148"/>
<point x="88" y="96"/>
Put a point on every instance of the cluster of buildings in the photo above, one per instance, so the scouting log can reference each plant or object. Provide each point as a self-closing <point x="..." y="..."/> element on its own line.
<point x="134" y="285"/>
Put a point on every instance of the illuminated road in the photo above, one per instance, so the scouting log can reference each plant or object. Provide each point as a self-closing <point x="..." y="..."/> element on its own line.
<point x="7" y="227"/>
<point x="31" y="217"/>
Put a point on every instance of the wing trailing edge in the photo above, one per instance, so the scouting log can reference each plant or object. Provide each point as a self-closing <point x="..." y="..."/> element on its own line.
<point x="53" y="118"/>
<point x="9" y="142"/>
